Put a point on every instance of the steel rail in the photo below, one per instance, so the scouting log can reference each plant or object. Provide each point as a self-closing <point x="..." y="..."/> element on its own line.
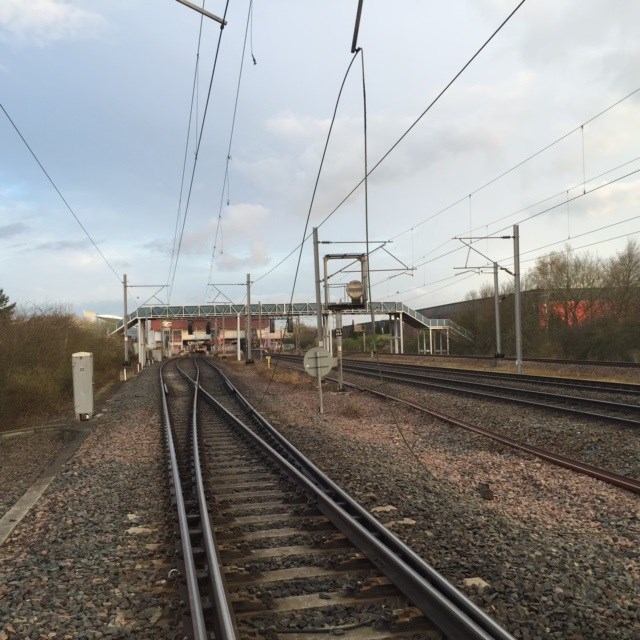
<point x="190" y="574"/>
<point x="630" y="484"/>
<point x="435" y="596"/>
<point x="602" y="386"/>
<point x="588" y="363"/>
<point x="493" y="394"/>
<point x="624" y="482"/>
<point x="224" y="620"/>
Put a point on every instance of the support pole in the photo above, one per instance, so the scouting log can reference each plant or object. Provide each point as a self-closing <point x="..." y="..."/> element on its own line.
<point x="430" y="342"/>
<point x="260" y="329"/>
<point x="447" y="340"/>
<point x="401" y="322"/>
<point x="339" y="349"/>
<point x="518" y="307"/>
<point x="238" y="337"/>
<point x="496" y="304"/>
<point x="316" y="264"/>
<point x="249" y="359"/>
<point x="127" y="362"/>
<point x="142" y="343"/>
<point x="321" y="406"/>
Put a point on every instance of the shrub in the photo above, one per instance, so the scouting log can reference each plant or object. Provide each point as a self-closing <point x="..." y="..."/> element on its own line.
<point x="35" y="361"/>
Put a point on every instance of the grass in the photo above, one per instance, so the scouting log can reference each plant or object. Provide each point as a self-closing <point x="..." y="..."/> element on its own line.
<point x="35" y="362"/>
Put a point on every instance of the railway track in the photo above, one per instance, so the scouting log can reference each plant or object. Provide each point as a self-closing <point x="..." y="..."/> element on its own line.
<point x="588" y="363"/>
<point x="461" y="382"/>
<point x="576" y="384"/>
<point x="270" y="547"/>
<point x="624" y="482"/>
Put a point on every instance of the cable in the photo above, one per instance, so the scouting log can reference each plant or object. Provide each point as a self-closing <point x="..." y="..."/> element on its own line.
<point x="233" y="125"/>
<point x="509" y="259"/>
<point x="53" y="184"/>
<point x="580" y="195"/>
<point x="195" y="160"/>
<point x="539" y="202"/>
<point x="186" y="146"/>
<point x="522" y="162"/>
<point x="306" y="223"/>
<point x="397" y="142"/>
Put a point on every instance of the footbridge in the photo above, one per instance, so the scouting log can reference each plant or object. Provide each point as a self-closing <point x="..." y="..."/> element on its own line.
<point x="397" y="312"/>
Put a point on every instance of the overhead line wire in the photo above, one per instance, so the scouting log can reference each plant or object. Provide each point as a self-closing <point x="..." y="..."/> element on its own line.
<point x="313" y="196"/>
<point x="415" y="122"/>
<point x="521" y="163"/>
<point x="186" y="146"/>
<point x="529" y="206"/>
<point x="509" y="259"/>
<point x="506" y="261"/>
<point x="582" y="194"/>
<point x="233" y="125"/>
<point x="53" y="184"/>
<point x="197" y="151"/>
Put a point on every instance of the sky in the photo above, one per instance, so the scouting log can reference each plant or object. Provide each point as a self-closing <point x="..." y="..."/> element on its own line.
<point x="102" y="91"/>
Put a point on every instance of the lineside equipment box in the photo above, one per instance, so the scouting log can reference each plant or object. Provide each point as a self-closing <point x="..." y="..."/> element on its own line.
<point x="82" y="368"/>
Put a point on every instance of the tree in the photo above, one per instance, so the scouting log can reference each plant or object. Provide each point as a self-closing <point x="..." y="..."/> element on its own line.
<point x="6" y="309"/>
<point x="623" y="281"/>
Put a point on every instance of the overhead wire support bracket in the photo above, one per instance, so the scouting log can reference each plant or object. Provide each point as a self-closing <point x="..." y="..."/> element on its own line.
<point x="356" y="28"/>
<point x="204" y="12"/>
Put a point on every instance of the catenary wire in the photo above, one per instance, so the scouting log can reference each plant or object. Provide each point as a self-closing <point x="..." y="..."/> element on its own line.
<point x="197" y="151"/>
<point x="520" y="164"/>
<point x="186" y="146"/>
<point x="527" y="207"/>
<point x="509" y="259"/>
<point x="226" y="170"/>
<point x="313" y="196"/>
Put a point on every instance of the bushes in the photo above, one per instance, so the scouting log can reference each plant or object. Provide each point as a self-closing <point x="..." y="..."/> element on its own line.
<point x="35" y="361"/>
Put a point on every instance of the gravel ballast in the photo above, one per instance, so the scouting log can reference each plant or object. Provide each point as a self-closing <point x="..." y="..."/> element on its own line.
<point x="547" y="552"/>
<point x="92" y="558"/>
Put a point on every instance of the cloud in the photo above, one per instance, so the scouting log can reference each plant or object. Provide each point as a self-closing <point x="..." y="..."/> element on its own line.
<point x="60" y="245"/>
<point x="618" y="198"/>
<point x="46" y="21"/>
<point x="14" y="229"/>
<point x="242" y="225"/>
<point x="158" y="245"/>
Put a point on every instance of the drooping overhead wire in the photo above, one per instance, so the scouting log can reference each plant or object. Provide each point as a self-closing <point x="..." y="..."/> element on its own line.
<point x="255" y="62"/>
<point x="305" y="234"/>
<point x="194" y="100"/>
<point x="402" y="137"/>
<point x="226" y="179"/>
<point x="313" y="197"/>
<point x="197" y="151"/>
<point x="426" y="110"/>
<point x="64" y="200"/>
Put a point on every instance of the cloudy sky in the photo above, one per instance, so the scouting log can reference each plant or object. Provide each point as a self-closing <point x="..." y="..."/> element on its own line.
<point x="101" y="91"/>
